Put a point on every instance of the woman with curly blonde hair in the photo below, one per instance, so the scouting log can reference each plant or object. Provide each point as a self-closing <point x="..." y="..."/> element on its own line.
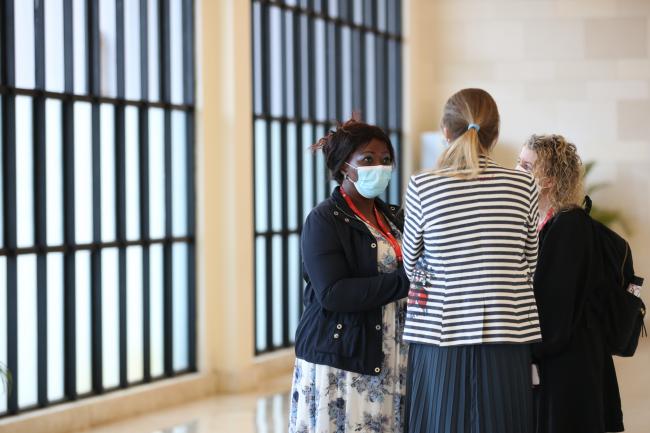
<point x="558" y="169"/>
<point x="577" y="391"/>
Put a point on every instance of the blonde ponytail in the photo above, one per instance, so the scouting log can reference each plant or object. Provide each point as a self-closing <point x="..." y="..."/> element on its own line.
<point x="462" y="156"/>
<point x="471" y="121"/>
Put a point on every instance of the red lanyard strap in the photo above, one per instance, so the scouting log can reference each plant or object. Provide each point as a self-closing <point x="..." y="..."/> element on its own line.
<point x="383" y="229"/>
<point x="541" y="225"/>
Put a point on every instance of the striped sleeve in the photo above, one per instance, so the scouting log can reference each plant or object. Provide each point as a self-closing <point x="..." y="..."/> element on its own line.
<point x="533" y="220"/>
<point x="412" y="243"/>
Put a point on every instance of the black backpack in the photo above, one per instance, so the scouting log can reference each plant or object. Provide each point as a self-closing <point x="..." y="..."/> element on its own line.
<point x="622" y="312"/>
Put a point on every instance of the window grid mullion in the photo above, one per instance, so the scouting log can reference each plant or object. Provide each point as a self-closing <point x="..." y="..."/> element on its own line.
<point x="266" y="104"/>
<point x="39" y="96"/>
<point x="94" y="84"/>
<point x="300" y="145"/>
<point x="165" y="92"/>
<point x="189" y="81"/>
<point x="143" y="134"/>
<point x="9" y="173"/>
<point x="304" y="84"/>
<point x="367" y="27"/>
<point x="40" y="216"/>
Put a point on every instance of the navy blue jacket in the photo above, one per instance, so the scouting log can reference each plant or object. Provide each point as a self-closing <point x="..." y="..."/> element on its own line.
<point x="341" y="325"/>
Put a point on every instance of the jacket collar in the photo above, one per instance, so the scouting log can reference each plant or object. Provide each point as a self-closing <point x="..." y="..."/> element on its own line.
<point x="343" y="211"/>
<point x="486" y="160"/>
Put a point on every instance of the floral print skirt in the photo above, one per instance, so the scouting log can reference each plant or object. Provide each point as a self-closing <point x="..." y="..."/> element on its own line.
<point x="329" y="400"/>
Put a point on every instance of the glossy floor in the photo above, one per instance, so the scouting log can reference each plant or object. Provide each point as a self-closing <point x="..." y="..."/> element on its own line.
<point x="266" y="411"/>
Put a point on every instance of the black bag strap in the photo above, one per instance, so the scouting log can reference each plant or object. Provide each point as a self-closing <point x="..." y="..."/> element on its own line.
<point x="587" y="204"/>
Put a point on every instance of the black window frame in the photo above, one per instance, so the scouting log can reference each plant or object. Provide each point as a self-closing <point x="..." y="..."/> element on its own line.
<point x="68" y="97"/>
<point x="298" y="17"/>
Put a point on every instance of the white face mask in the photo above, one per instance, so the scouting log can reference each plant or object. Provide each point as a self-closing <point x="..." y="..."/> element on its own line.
<point x="372" y="180"/>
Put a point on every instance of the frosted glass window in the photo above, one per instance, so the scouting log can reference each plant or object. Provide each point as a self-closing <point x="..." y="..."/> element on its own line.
<point x="275" y="58"/>
<point x="156" y="290"/>
<point x="290" y="109"/>
<point x="54" y="45"/>
<point x="333" y="8"/>
<point x="393" y="73"/>
<point x="313" y="66"/>
<point x="132" y="153"/>
<point x="54" y="171"/>
<point x="24" y="173"/>
<point x="153" y="50"/>
<point x="132" y="48"/>
<point x="308" y="198"/>
<point x="371" y="87"/>
<point x="83" y="325"/>
<point x="320" y="79"/>
<point x="55" y="326"/>
<point x="292" y="178"/>
<point x="257" y="56"/>
<point x="261" y="183"/>
<point x="83" y="176"/>
<point x="110" y="318"/>
<point x="93" y="179"/>
<point x="393" y="189"/>
<point x="260" y="293"/>
<point x="27" y="331"/>
<point x="321" y="172"/>
<point x="381" y="14"/>
<point x="180" y="307"/>
<point x="179" y="174"/>
<point x="108" y="47"/>
<point x="276" y="176"/>
<point x="134" y="319"/>
<point x="346" y="66"/>
<point x="3" y="323"/>
<point x="277" y="290"/>
<point x="80" y="53"/>
<point x="176" y="41"/>
<point x="293" y="262"/>
<point x="358" y="12"/>
<point x="107" y="167"/>
<point x="156" y="174"/>
<point x="305" y="67"/>
<point x="2" y="239"/>
<point x="24" y="43"/>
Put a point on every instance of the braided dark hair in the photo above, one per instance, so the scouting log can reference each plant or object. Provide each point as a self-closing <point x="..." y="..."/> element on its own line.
<point x="338" y="144"/>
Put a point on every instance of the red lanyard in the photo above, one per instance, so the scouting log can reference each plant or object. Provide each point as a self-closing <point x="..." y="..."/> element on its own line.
<point x="549" y="215"/>
<point x="382" y="227"/>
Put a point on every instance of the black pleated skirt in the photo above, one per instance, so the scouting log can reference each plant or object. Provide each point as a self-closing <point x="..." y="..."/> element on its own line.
<point x="469" y="389"/>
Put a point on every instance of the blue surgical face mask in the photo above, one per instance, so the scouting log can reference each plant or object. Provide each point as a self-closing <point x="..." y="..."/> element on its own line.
<point x="372" y="180"/>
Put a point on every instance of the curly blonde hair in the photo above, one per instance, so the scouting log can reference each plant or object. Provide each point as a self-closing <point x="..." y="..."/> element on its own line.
<point x="559" y="162"/>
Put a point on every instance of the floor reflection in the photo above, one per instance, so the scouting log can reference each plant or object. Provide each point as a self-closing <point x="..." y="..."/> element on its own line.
<point x="240" y="413"/>
<point x="266" y="411"/>
<point x="272" y="414"/>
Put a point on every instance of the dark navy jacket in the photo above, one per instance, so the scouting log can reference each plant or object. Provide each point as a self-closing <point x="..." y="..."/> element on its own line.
<point x="341" y="325"/>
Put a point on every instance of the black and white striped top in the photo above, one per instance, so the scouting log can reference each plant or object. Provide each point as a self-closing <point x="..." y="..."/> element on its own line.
<point x="470" y="251"/>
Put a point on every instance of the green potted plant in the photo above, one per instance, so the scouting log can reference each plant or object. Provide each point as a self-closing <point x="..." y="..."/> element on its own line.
<point x="5" y="378"/>
<point x="609" y="217"/>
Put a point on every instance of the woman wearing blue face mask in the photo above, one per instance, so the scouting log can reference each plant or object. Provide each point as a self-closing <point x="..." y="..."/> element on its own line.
<point x="350" y="369"/>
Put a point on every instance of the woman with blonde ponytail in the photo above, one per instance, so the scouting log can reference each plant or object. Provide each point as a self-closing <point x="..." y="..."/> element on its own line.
<point x="470" y="251"/>
<point x="470" y="123"/>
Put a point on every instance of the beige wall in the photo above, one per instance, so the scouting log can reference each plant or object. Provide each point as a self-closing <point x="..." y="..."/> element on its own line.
<point x="578" y="68"/>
